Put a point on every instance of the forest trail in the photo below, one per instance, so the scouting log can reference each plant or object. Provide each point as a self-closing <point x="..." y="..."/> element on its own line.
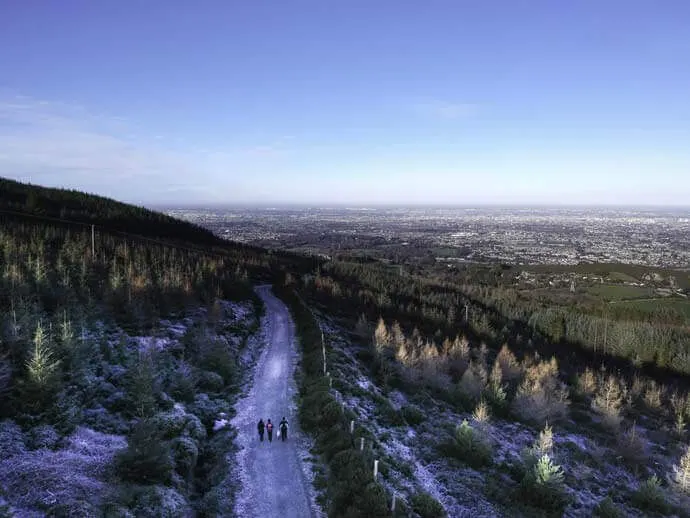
<point x="272" y="476"/>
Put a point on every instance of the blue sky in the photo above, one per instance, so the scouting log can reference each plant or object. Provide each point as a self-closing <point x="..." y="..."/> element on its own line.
<point x="360" y="102"/>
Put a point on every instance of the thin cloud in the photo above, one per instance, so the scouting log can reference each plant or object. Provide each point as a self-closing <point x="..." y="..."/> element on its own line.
<point x="66" y="145"/>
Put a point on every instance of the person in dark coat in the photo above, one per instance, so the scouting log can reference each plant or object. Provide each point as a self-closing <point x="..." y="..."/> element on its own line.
<point x="260" y="427"/>
<point x="269" y="429"/>
<point x="283" y="429"/>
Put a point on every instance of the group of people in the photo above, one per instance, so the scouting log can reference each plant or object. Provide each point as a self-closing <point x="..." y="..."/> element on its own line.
<point x="268" y="428"/>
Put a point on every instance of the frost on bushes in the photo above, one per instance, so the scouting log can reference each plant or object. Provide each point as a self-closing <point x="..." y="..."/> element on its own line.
<point x="11" y="439"/>
<point x="43" y="437"/>
<point x="650" y="496"/>
<point x="208" y="410"/>
<point x="541" y="396"/>
<point x="427" y="506"/>
<point x="185" y="455"/>
<point x="542" y="484"/>
<point x="159" y="501"/>
<point x="468" y="445"/>
<point x="178" y="422"/>
<point x="68" y="481"/>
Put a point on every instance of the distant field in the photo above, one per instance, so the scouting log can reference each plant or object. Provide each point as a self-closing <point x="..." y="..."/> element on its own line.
<point x="619" y="292"/>
<point x="682" y="306"/>
<point x="621" y="277"/>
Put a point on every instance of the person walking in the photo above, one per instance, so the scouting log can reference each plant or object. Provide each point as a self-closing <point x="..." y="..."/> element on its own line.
<point x="261" y="427"/>
<point x="283" y="429"/>
<point x="269" y="429"/>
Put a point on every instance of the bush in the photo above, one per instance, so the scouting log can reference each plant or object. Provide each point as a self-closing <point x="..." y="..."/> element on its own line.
<point x="185" y="455"/>
<point x="43" y="437"/>
<point x="650" y="497"/>
<point x="208" y="410"/>
<point x="209" y="382"/>
<point x="468" y="446"/>
<point x="11" y="439"/>
<point x="427" y="506"/>
<point x="159" y="501"/>
<point x="541" y="396"/>
<point x="607" y="509"/>
<point x="177" y="423"/>
<point x="147" y="458"/>
<point x="413" y="415"/>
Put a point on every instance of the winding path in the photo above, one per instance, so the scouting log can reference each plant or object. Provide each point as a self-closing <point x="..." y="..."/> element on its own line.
<point x="272" y="476"/>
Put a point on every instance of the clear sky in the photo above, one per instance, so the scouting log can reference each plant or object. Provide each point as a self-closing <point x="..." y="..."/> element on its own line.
<point x="349" y="101"/>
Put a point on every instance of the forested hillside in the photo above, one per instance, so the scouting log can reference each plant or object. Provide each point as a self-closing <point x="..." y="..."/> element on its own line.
<point x="75" y="206"/>
<point x="119" y="356"/>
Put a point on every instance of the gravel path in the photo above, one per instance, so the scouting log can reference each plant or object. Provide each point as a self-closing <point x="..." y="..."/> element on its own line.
<point x="272" y="474"/>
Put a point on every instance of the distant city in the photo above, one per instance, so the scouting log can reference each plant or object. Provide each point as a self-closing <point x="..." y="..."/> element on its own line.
<point x="658" y="237"/>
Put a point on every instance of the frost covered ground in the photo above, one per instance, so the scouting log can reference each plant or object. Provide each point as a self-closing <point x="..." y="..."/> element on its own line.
<point x="46" y="472"/>
<point x="276" y="480"/>
<point x="411" y="459"/>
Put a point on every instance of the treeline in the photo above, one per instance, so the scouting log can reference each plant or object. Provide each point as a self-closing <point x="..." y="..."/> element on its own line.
<point x="495" y="315"/>
<point x="89" y="209"/>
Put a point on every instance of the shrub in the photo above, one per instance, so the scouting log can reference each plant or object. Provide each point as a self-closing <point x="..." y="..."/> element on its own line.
<point x="177" y="423"/>
<point x="468" y="446"/>
<point x="542" y="486"/>
<point x="473" y="381"/>
<point x="680" y="476"/>
<point x="607" y="509"/>
<point x="541" y="396"/>
<point x="481" y="413"/>
<point x="413" y="415"/>
<point x="587" y="383"/>
<point x="159" y="501"/>
<point x="542" y="483"/>
<point x="427" y="506"/>
<point x="147" y="458"/>
<point x="632" y="448"/>
<point x="508" y="364"/>
<point x="208" y="410"/>
<point x="12" y="440"/>
<point x="650" y="497"/>
<point x="609" y="401"/>
<point x="43" y="437"/>
<point x="185" y="454"/>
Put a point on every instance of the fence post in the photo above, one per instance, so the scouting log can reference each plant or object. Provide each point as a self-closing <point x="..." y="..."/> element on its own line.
<point x="376" y="469"/>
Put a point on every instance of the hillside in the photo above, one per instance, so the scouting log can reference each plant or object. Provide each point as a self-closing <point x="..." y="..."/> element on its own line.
<point x="79" y="207"/>
<point x="117" y="361"/>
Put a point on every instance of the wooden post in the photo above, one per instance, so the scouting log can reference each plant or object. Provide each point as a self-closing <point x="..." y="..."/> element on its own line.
<point x="376" y="469"/>
<point x="352" y="427"/>
<point x="93" y="242"/>
<point x="323" y="349"/>
<point x="361" y="444"/>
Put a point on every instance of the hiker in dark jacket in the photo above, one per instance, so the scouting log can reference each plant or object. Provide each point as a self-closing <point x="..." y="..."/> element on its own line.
<point x="260" y="427"/>
<point x="269" y="429"/>
<point x="283" y="429"/>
